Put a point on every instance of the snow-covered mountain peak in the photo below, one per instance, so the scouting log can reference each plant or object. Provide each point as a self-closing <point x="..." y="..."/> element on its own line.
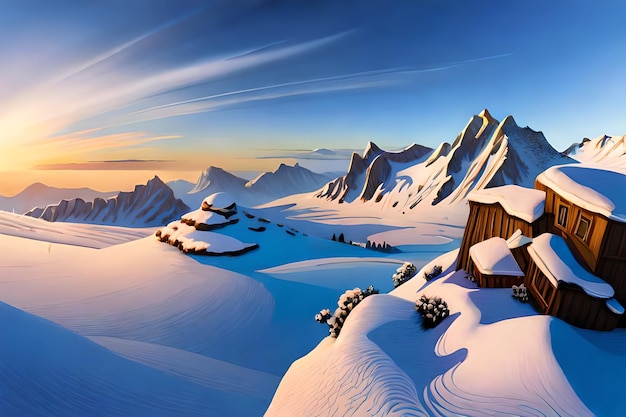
<point x="371" y="150"/>
<point x="484" y="114"/>
<point x="485" y="153"/>
<point x="216" y="179"/>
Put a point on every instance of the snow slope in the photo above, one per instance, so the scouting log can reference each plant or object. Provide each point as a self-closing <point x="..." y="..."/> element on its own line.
<point x="147" y="205"/>
<point x="607" y="151"/>
<point x="492" y="356"/>
<point x="48" y="370"/>
<point x="87" y="235"/>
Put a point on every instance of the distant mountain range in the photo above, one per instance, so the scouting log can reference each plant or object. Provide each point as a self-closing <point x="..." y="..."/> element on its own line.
<point x="486" y="153"/>
<point x="152" y="204"/>
<point x="40" y="195"/>
<point x="284" y="181"/>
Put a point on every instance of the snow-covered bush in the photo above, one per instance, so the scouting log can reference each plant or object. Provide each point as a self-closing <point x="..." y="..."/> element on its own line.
<point x="432" y="310"/>
<point x="345" y="304"/>
<point x="520" y="293"/>
<point x="435" y="272"/>
<point x="403" y="274"/>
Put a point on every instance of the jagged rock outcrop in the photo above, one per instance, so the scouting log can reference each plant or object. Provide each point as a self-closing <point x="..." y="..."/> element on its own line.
<point x="151" y="204"/>
<point x="369" y="172"/>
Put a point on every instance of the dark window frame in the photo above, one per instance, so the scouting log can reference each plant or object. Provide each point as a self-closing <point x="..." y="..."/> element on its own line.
<point x="583" y="219"/>
<point x="559" y="217"/>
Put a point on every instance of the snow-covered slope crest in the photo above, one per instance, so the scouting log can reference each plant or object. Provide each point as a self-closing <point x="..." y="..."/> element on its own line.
<point x="151" y="204"/>
<point x="492" y="356"/>
<point x="609" y="151"/>
<point x="486" y="153"/>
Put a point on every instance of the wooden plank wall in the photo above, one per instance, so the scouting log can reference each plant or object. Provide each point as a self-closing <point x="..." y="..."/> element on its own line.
<point x="586" y="251"/>
<point x="612" y="260"/>
<point x="488" y="220"/>
<point x="569" y="302"/>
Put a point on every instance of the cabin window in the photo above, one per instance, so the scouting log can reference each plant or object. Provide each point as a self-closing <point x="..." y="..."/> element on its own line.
<point x="582" y="230"/>
<point x="562" y="217"/>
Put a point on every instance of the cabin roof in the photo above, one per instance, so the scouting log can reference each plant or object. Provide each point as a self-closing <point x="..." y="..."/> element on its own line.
<point x="592" y="188"/>
<point x="552" y="256"/>
<point x="493" y="257"/>
<point x="525" y="203"/>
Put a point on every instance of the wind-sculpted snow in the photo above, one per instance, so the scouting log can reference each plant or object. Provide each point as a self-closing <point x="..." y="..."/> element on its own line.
<point x="385" y="363"/>
<point x="350" y="376"/>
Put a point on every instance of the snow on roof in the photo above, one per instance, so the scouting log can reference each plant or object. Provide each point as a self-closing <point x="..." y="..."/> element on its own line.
<point x="615" y="306"/>
<point x="517" y="240"/>
<point x="493" y="257"/>
<point x="592" y="188"/>
<point x="554" y="259"/>
<point x="525" y="203"/>
<point x="219" y="201"/>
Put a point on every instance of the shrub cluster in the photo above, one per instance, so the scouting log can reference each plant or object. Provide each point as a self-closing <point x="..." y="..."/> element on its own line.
<point x="520" y="293"/>
<point x="435" y="272"/>
<point x="432" y="310"/>
<point x="403" y="274"/>
<point x="345" y="304"/>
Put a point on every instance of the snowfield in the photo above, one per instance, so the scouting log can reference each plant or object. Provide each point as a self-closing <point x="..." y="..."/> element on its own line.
<point x="185" y="335"/>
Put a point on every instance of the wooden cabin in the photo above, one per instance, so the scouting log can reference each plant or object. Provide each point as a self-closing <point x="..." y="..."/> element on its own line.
<point x="563" y="288"/>
<point x="492" y="264"/>
<point x="587" y="207"/>
<point x="500" y="212"/>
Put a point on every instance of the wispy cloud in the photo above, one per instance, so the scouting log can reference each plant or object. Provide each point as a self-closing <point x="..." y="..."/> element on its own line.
<point x="352" y="81"/>
<point x="123" y="165"/>
<point x="321" y="154"/>
<point x="34" y="119"/>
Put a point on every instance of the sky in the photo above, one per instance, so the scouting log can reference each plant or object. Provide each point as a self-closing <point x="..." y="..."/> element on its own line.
<point x="106" y="94"/>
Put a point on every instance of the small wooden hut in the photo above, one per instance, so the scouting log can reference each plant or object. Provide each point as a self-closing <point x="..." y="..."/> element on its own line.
<point x="499" y="212"/>
<point x="493" y="266"/>
<point x="587" y="207"/>
<point x="563" y="288"/>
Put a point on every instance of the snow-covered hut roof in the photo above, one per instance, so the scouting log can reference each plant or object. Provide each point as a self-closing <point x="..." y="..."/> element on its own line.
<point x="219" y="201"/>
<point x="525" y="203"/>
<point x="592" y="188"/>
<point x="552" y="256"/>
<point x="493" y="257"/>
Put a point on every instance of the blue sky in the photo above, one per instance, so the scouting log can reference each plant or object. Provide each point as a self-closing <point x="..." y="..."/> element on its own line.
<point x="199" y="83"/>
